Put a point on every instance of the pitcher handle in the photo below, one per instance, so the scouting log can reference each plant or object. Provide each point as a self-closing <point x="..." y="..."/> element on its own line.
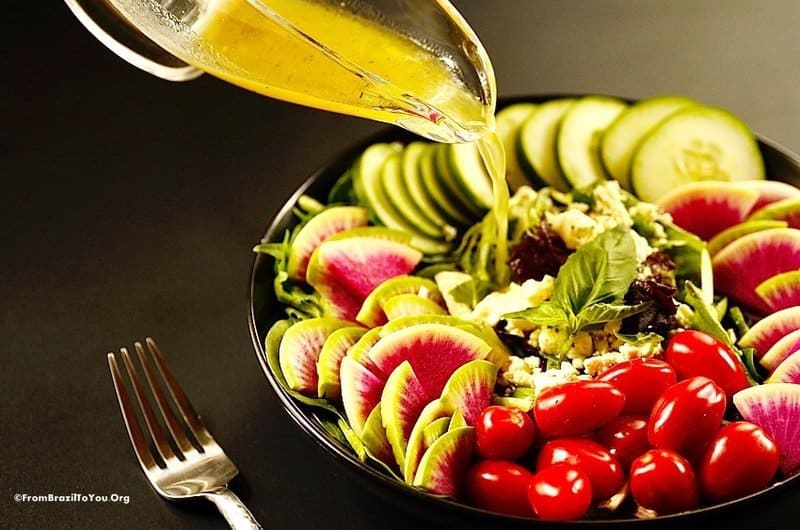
<point x="118" y="35"/>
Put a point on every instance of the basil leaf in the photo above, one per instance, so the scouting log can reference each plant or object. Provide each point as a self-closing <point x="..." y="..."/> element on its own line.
<point x="705" y="315"/>
<point x="599" y="272"/>
<point x="602" y="313"/>
<point x="545" y="314"/>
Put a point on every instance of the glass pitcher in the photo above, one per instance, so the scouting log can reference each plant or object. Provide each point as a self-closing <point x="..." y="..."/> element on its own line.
<point x="413" y="63"/>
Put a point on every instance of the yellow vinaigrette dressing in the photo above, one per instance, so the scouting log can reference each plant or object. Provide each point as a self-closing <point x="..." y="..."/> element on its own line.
<point x="319" y="54"/>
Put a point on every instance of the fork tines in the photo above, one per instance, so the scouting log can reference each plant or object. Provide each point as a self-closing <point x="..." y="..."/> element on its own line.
<point x="182" y="444"/>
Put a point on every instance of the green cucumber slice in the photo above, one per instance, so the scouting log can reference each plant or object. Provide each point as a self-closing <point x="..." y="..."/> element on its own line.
<point x="470" y="173"/>
<point x="444" y="202"/>
<point x="367" y="173"/>
<point x="579" y="138"/>
<point x="536" y="144"/>
<point x="412" y="176"/>
<point x="507" y="126"/>
<point x="394" y="187"/>
<point x="620" y="140"/>
<point x="695" y="143"/>
<point x="451" y="182"/>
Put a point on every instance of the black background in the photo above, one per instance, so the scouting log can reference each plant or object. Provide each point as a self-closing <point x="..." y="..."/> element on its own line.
<point x="129" y="206"/>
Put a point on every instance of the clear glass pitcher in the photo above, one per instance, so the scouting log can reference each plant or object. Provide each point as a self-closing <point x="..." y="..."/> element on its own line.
<point x="413" y="63"/>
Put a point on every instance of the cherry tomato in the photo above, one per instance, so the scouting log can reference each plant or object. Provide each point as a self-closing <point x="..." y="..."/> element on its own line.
<point x="604" y="470"/>
<point x="641" y="380"/>
<point x="625" y="437"/>
<point x="499" y="486"/>
<point x="576" y="408"/>
<point x="694" y="353"/>
<point x="686" y="416"/>
<point x="741" y="459"/>
<point x="663" y="481"/>
<point x="503" y="433"/>
<point x="561" y="492"/>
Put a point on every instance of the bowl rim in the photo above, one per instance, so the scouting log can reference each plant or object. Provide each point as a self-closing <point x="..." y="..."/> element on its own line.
<point x="304" y="415"/>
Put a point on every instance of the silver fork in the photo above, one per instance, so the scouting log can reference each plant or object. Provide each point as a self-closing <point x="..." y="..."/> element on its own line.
<point x="188" y="468"/>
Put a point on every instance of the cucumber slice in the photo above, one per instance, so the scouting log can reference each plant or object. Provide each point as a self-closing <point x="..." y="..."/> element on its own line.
<point x="470" y="173"/>
<point x="623" y="136"/>
<point x="695" y="143"/>
<point x="394" y="187"/>
<point x="437" y="192"/>
<point x="367" y="173"/>
<point x="412" y="177"/>
<point x="536" y="144"/>
<point x="579" y="138"/>
<point x="451" y="183"/>
<point x="507" y="126"/>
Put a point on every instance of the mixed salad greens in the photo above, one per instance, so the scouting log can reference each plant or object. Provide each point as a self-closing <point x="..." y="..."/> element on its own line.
<point x="610" y="365"/>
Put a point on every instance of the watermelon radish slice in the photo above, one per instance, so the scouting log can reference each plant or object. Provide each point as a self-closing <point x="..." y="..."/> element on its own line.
<point x="300" y="348"/>
<point x="444" y="464"/>
<point x="346" y="267"/>
<point x="708" y="207"/>
<point x="433" y="350"/>
<point x="361" y="392"/>
<point x="330" y="358"/>
<point x="371" y="313"/>
<point x="781" y="350"/>
<point x="433" y="411"/>
<point x="788" y="371"/>
<point x="767" y="331"/>
<point x="373" y="436"/>
<point x="780" y="291"/>
<point x="405" y="305"/>
<point x="319" y="228"/>
<point x="469" y="389"/>
<point x="729" y="235"/>
<point x="402" y="401"/>
<point x="770" y="191"/>
<point x="786" y="210"/>
<point x="745" y="263"/>
<point x="360" y="264"/>
<point x="775" y="408"/>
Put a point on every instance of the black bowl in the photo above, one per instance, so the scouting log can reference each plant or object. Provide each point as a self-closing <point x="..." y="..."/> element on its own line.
<point x="264" y="310"/>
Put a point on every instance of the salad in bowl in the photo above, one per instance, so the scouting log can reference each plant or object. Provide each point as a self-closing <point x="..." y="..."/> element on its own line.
<point x="637" y="356"/>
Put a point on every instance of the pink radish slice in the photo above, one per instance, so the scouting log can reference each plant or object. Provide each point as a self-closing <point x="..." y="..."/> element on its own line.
<point x="781" y="350"/>
<point x="775" y="408"/>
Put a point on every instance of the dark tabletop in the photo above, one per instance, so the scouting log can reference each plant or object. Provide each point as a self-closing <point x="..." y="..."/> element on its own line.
<point x="129" y="206"/>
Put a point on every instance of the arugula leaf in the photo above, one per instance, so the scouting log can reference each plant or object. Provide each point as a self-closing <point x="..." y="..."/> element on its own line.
<point x="686" y="250"/>
<point x="640" y="339"/>
<point x="704" y="317"/>
<point x="739" y="323"/>
<point x="470" y="292"/>
<point x="299" y="302"/>
<point x="750" y="364"/>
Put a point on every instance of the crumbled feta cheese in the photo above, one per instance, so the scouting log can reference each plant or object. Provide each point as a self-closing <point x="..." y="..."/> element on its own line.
<point x="582" y="346"/>
<point x="643" y="248"/>
<point x="554" y="376"/>
<point x="608" y="203"/>
<point x="574" y="227"/>
<point x="516" y="297"/>
<point x="551" y="339"/>
<point x="627" y="351"/>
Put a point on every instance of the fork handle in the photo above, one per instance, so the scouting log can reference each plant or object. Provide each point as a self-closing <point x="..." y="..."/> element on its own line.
<point x="234" y="511"/>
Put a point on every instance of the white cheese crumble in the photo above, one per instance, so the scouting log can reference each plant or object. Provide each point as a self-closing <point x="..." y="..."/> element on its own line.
<point x="517" y="297"/>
